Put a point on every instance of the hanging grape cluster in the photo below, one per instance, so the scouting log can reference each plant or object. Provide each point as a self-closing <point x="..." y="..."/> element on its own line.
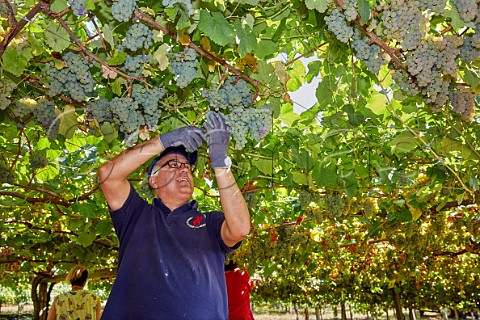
<point x="243" y="120"/>
<point x="38" y="160"/>
<point x="77" y="6"/>
<point x="74" y="79"/>
<point x="122" y="10"/>
<point x="130" y="114"/>
<point x="45" y="115"/>
<point x="184" y="66"/>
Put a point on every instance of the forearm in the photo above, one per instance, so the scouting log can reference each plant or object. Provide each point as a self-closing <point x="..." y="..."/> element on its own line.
<point x="113" y="174"/>
<point x="122" y="165"/>
<point x="237" y="216"/>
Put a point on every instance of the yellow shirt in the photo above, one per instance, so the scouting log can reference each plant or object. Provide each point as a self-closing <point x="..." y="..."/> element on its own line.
<point x="77" y="305"/>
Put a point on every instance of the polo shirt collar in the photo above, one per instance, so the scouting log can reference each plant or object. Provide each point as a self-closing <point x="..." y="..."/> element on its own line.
<point x="190" y="205"/>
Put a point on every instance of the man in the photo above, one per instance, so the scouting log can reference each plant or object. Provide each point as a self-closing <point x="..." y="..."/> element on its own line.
<point x="171" y="256"/>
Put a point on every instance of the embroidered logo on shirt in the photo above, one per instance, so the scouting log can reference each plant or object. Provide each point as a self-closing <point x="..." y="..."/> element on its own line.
<point x="197" y="221"/>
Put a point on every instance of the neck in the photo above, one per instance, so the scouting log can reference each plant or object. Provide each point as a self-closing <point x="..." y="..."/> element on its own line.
<point x="76" y="288"/>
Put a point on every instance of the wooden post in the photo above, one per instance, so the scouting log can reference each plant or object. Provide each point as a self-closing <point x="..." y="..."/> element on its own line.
<point x="398" y="307"/>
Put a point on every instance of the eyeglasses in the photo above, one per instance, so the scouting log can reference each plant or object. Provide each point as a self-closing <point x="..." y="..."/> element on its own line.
<point x="174" y="164"/>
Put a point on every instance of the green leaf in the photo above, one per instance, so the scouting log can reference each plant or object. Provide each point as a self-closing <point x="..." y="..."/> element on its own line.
<point x="264" y="165"/>
<point x="472" y="78"/>
<point x="57" y="37"/>
<point x="350" y="185"/>
<point x="300" y="178"/>
<point x="108" y="131"/>
<point x="104" y="228"/>
<point x="319" y="5"/>
<point x="246" y="37"/>
<point x="377" y="103"/>
<point x="86" y="236"/>
<point x="364" y="10"/>
<point x="108" y="35"/>
<point x="68" y="122"/>
<point x="297" y="76"/>
<point x="287" y="115"/>
<point x="58" y="5"/>
<point x="325" y="174"/>
<point x="266" y="48"/>
<point x="117" y="58"/>
<point x="404" y="215"/>
<point x="216" y="27"/>
<point x="404" y="142"/>
<point x="13" y="61"/>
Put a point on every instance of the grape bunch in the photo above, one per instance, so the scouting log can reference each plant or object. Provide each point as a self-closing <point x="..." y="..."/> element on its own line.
<point x="75" y="79"/>
<point x="335" y="205"/>
<point x="77" y="6"/>
<point x="463" y="103"/>
<point x="122" y="10"/>
<point x="134" y="65"/>
<point x="468" y="9"/>
<point x="6" y="89"/>
<point x="350" y="8"/>
<point x="337" y="24"/>
<point x="433" y="66"/>
<point x="186" y="5"/>
<point x="243" y="120"/>
<point x="24" y="107"/>
<point x="435" y="6"/>
<point x="100" y="110"/>
<point x="137" y="36"/>
<point x="404" y="22"/>
<point x="149" y="99"/>
<point x="45" y="116"/>
<point x="370" y="54"/>
<point x="234" y="95"/>
<point x="6" y="175"/>
<point x="126" y="114"/>
<point x="38" y="160"/>
<point x="184" y="66"/>
<point x="470" y="51"/>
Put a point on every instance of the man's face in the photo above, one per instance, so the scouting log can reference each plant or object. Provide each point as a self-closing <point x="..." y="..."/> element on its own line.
<point x="172" y="178"/>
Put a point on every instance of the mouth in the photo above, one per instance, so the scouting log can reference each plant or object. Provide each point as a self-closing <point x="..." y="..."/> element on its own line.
<point x="182" y="179"/>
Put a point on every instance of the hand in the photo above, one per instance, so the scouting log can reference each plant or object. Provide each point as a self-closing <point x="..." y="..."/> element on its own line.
<point x="218" y="138"/>
<point x="190" y="137"/>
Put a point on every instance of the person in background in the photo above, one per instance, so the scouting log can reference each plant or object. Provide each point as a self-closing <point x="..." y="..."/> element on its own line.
<point x="171" y="256"/>
<point x="76" y="304"/>
<point x="239" y="286"/>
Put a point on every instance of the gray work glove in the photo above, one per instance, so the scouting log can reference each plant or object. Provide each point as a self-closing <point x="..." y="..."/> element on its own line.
<point x="217" y="138"/>
<point x="190" y="137"/>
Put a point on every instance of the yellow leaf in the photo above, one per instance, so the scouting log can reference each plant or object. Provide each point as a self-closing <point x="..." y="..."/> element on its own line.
<point x="68" y="122"/>
<point x="205" y="44"/>
<point x="184" y="39"/>
<point x="416" y="212"/>
<point x="161" y="56"/>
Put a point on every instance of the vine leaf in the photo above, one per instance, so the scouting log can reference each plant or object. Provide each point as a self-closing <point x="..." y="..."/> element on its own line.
<point x="403" y="143"/>
<point x="248" y="40"/>
<point x="216" y="27"/>
<point x="68" y="122"/>
<point x="161" y="56"/>
<point x="14" y="62"/>
<point x="57" y="38"/>
<point x="319" y="5"/>
<point x="378" y="104"/>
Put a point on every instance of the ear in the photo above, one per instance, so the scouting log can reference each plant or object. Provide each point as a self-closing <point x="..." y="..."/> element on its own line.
<point x="152" y="182"/>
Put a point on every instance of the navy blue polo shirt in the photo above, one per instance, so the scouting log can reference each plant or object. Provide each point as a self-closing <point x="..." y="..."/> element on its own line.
<point x="170" y="264"/>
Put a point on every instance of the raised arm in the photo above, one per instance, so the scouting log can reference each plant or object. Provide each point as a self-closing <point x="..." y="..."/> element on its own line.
<point x="113" y="174"/>
<point x="237" y="218"/>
